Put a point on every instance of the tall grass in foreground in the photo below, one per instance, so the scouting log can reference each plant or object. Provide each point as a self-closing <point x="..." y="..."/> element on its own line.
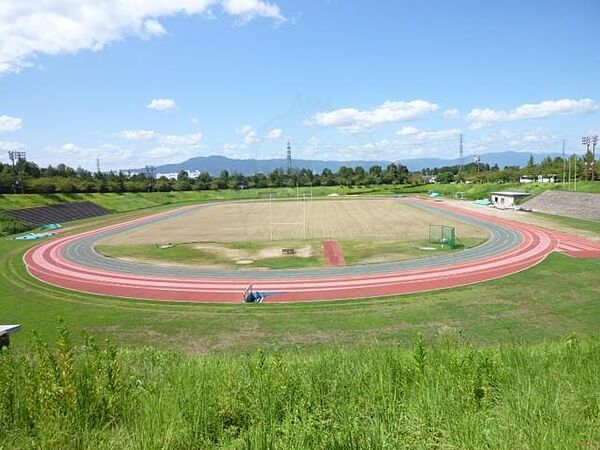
<point x="444" y="396"/>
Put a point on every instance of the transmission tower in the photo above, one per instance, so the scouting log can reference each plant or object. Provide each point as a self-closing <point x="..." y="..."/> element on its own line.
<point x="17" y="159"/>
<point x="150" y="177"/>
<point x="98" y="166"/>
<point x="289" y="156"/>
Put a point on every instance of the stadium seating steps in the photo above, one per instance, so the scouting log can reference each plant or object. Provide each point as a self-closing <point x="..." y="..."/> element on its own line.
<point x="64" y="212"/>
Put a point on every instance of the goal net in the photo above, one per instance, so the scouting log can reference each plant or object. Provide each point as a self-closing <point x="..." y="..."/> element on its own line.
<point x="443" y="235"/>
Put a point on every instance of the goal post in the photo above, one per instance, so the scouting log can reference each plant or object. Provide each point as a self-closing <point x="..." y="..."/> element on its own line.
<point x="443" y="235"/>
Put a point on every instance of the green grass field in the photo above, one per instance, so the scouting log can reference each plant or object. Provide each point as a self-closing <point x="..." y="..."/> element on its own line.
<point x="526" y="307"/>
<point x="510" y="363"/>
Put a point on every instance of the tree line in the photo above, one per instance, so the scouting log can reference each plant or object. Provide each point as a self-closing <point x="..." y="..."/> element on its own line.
<point x="28" y="177"/>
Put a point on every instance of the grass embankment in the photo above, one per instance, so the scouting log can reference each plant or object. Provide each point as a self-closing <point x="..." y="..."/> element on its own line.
<point x="483" y="190"/>
<point x="131" y="201"/>
<point x="580" y="224"/>
<point x="268" y="254"/>
<point x="429" y="396"/>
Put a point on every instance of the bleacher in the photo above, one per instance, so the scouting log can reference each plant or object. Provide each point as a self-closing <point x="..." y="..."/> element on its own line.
<point x="64" y="212"/>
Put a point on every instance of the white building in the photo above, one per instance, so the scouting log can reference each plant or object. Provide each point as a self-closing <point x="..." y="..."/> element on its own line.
<point x="507" y="199"/>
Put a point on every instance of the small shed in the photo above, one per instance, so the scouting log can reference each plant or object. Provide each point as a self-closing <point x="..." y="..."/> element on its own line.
<point x="506" y="199"/>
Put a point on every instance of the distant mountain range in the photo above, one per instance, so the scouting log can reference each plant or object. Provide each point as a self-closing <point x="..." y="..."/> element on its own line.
<point x="215" y="164"/>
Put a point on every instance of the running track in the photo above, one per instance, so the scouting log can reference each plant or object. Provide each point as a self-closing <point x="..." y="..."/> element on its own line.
<point x="71" y="262"/>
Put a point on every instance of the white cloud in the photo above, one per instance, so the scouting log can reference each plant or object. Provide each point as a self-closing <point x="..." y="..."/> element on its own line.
<point x="194" y="120"/>
<point x="165" y="148"/>
<point x="11" y="145"/>
<point x="192" y="140"/>
<point x="538" y="139"/>
<point x="479" y="118"/>
<point x="161" y="104"/>
<point x="451" y="114"/>
<point x="29" y="27"/>
<point x="249" y="136"/>
<point x="354" y="121"/>
<point x="72" y="154"/>
<point x="275" y="133"/>
<point x="250" y="9"/>
<point x="138" y="135"/>
<point x="412" y="134"/>
<point x="8" y="123"/>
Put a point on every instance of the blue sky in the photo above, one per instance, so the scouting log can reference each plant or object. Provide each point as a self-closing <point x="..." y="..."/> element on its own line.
<point x="158" y="81"/>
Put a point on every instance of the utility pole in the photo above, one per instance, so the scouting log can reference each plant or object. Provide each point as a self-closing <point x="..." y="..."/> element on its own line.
<point x="17" y="159"/>
<point x="461" y="154"/>
<point x="150" y="177"/>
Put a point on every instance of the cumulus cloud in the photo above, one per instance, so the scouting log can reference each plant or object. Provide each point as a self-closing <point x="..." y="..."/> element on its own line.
<point x="29" y="28"/>
<point x="353" y="120"/>
<point x="164" y="148"/>
<point x="186" y="139"/>
<point x="110" y="155"/>
<point x="249" y="136"/>
<point x="451" y="114"/>
<point x="248" y="10"/>
<point x="412" y="134"/>
<point x="10" y="145"/>
<point x="479" y="118"/>
<point x="162" y="104"/>
<point x="275" y="133"/>
<point x="138" y="135"/>
<point x="8" y="123"/>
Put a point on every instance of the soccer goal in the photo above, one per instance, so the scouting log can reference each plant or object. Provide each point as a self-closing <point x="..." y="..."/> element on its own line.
<point x="443" y="235"/>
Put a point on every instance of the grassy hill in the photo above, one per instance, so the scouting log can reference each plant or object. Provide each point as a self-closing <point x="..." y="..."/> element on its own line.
<point x="448" y="395"/>
<point x="131" y="201"/>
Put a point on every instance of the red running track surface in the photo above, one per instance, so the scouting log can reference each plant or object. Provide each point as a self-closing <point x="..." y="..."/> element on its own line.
<point x="333" y="253"/>
<point x="45" y="263"/>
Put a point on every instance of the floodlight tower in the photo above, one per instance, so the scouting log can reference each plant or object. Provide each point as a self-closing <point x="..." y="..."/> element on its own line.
<point x="17" y="158"/>
<point x="564" y="163"/>
<point x="594" y="142"/>
<point x="586" y="141"/>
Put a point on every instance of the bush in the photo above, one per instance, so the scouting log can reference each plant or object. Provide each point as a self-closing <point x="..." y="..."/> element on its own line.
<point x="10" y="225"/>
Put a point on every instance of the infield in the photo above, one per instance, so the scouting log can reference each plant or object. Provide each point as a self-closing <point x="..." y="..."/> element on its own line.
<point x="325" y="219"/>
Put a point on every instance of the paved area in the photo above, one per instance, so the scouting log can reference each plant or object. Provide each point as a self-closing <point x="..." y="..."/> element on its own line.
<point x="72" y="263"/>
